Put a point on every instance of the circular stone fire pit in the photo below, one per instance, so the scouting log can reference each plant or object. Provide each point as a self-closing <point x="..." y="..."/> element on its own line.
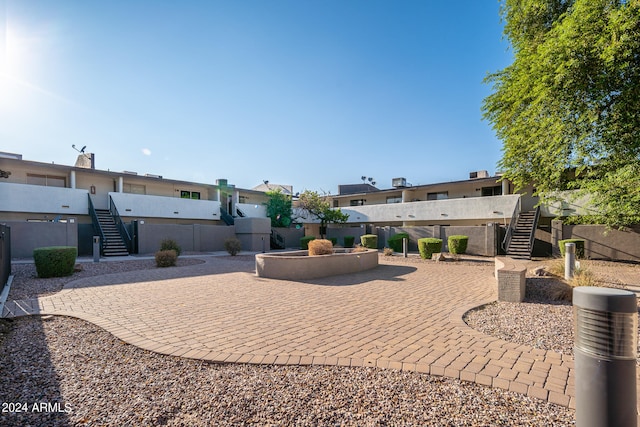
<point x="298" y="265"/>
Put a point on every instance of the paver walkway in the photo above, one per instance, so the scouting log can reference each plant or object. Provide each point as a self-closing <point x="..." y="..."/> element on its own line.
<point x="397" y="316"/>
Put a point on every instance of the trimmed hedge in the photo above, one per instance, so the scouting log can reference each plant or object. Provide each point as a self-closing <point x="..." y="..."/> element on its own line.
<point x="55" y="261"/>
<point x="369" y="241"/>
<point x="320" y="247"/>
<point x="333" y="240"/>
<point x="166" y="258"/>
<point x="579" y="246"/>
<point x="304" y="242"/>
<point x="458" y="244"/>
<point x="429" y="246"/>
<point x="395" y="241"/>
<point x="349" y="241"/>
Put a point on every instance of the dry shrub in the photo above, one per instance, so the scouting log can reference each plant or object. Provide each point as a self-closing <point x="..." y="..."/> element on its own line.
<point x="557" y="267"/>
<point x="233" y="246"/>
<point x="560" y="289"/>
<point x="584" y="277"/>
<point x="388" y="252"/>
<point x="359" y="248"/>
<point x="320" y="247"/>
<point x="166" y="258"/>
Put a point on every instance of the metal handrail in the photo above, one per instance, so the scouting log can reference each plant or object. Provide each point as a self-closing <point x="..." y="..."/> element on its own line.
<point x="5" y="255"/>
<point x="124" y="233"/>
<point x="278" y="238"/>
<point x="224" y="215"/>
<point x="532" y="236"/>
<point x="96" y="224"/>
<point x="512" y="226"/>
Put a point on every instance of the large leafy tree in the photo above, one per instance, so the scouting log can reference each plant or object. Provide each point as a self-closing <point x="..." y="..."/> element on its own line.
<point x="568" y="108"/>
<point x="279" y="208"/>
<point x="316" y="205"/>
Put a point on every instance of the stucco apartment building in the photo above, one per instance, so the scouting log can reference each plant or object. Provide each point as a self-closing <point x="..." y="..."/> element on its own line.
<point x="50" y="204"/>
<point x="82" y="200"/>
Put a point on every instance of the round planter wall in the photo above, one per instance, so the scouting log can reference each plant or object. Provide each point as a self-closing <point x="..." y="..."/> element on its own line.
<point x="298" y="265"/>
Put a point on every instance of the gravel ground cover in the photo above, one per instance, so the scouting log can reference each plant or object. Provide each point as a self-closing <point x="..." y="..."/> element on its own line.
<point x="85" y="376"/>
<point x="26" y="283"/>
<point x="541" y="321"/>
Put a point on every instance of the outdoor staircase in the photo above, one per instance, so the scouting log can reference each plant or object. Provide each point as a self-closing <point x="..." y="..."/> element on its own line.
<point x="226" y="217"/>
<point x="277" y="240"/>
<point x="113" y="245"/>
<point x="523" y="235"/>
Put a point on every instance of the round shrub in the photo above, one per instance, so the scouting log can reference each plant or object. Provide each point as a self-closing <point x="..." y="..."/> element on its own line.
<point x="334" y="240"/>
<point x="458" y="244"/>
<point x="166" y="258"/>
<point x="579" y="246"/>
<point x="233" y="246"/>
<point x="304" y="242"/>
<point x="320" y="247"/>
<point x="429" y="246"/>
<point x="395" y="241"/>
<point x="348" y="241"/>
<point x="170" y="244"/>
<point x="55" y="261"/>
<point x="369" y="241"/>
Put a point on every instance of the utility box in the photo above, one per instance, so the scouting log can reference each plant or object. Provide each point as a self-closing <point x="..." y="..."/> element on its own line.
<point x="605" y="351"/>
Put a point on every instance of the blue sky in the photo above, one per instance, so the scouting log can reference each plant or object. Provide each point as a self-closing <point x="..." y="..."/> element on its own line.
<point x="311" y="93"/>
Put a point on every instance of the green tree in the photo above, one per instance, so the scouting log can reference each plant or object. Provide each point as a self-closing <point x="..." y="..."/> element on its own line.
<point x="279" y="208"/>
<point x="316" y="205"/>
<point x="568" y="108"/>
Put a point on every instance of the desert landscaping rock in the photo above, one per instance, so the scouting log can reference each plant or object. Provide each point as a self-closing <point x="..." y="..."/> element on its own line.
<point x="106" y="382"/>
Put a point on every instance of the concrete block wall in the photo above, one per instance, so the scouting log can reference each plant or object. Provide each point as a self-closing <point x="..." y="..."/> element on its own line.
<point x="27" y="236"/>
<point x="483" y="240"/>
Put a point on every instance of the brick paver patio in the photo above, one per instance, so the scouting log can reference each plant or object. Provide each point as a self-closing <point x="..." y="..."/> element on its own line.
<point x="397" y="316"/>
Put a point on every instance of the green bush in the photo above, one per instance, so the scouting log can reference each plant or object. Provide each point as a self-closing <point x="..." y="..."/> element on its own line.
<point x="579" y="246"/>
<point x="429" y="246"/>
<point x="458" y="244"/>
<point x="170" y="244"/>
<point x="369" y="241"/>
<point x="334" y="240"/>
<point x="55" y="261"/>
<point x="395" y="241"/>
<point x="233" y="246"/>
<point x="348" y="241"/>
<point x="166" y="258"/>
<point x="304" y="242"/>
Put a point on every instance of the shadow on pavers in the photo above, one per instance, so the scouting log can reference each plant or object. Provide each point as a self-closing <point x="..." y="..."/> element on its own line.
<point x="387" y="273"/>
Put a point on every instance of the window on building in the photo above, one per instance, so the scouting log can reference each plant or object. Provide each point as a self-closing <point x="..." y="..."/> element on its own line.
<point x="438" y="196"/>
<point x="492" y="191"/>
<point x="242" y="199"/>
<point x="357" y="202"/>
<point x="195" y="195"/>
<point x="47" y="180"/>
<point x="394" y="199"/>
<point x="336" y="203"/>
<point x="134" y="189"/>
